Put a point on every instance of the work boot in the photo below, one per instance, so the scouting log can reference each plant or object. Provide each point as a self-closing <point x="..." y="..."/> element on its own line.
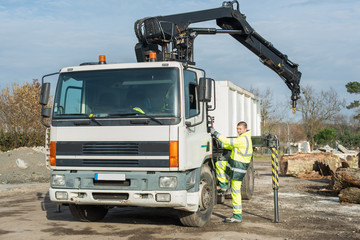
<point x="232" y="220"/>
<point x="236" y="218"/>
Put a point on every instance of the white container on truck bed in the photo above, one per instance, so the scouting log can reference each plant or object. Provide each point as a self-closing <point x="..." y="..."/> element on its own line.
<point x="235" y="104"/>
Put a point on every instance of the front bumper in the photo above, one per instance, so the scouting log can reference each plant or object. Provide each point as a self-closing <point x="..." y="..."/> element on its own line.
<point x="134" y="189"/>
<point x="181" y="200"/>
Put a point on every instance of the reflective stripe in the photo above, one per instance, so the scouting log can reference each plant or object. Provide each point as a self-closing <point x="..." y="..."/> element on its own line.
<point x="238" y="170"/>
<point x="237" y="207"/>
<point x="235" y="191"/>
<point x="246" y="154"/>
<point x="235" y="169"/>
<point x="247" y="145"/>
<point x="220" y="175"/>
<point x="222" y="164"/>
<point x="232" y="142"/>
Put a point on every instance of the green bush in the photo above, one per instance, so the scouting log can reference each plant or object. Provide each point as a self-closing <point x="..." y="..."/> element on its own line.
<point x="11" y="140"/>
<point x="349" y="139"/>
<point x="326" y="136"/>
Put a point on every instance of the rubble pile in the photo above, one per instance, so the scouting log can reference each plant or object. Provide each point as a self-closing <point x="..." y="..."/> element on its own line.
<point x="23" y="165"/>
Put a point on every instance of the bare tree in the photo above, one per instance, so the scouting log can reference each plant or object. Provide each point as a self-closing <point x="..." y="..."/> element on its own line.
<point x="270" y="113"/>
<point x="318" y="108"/>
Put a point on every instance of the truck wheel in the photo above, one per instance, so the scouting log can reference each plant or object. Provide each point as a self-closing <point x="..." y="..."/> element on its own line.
<point x="206" y="203"/>
<point x="247" y="186"/>
<point x="88" y="213"/>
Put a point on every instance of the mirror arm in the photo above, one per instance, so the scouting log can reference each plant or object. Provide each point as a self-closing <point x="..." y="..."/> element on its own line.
<point x="214" y="96"/>
<point x="43" y="123"/>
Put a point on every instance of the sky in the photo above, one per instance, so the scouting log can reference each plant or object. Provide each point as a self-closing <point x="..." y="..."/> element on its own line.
<point x="38" y="37"/>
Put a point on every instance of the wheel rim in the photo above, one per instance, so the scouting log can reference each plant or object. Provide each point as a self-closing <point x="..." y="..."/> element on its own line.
<point x="205" y="195"/>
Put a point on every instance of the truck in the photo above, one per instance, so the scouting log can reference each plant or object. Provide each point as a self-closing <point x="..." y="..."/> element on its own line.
<point x="138" y="134"/>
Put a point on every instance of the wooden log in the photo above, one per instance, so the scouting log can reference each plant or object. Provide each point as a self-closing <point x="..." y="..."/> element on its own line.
<point x="300" y="162"/>
<point x="350" y="195"/>
<point x="328" y="165"/>
<point x="349" y="177"/>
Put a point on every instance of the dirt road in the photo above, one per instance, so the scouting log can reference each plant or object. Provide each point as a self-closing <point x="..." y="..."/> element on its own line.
<point x="27" y="213"/>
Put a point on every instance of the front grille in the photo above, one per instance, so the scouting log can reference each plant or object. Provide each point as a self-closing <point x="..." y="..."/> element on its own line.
<point x="111" y="196"/>
<point x="111" y="148"/>
<point x="156" y="153"/>
<point x="150" y="148"/>
<point x="110" y="163"/>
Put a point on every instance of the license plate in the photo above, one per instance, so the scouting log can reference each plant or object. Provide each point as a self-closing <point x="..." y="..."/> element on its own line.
<point x="109" y="177"/>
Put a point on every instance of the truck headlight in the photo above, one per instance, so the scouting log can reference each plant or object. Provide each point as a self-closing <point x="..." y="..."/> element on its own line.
<point x="168" y="182"/>
<point x="58" y="180"/>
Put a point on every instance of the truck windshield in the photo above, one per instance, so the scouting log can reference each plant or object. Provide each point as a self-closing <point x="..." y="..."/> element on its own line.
<point x="118" y="93"/>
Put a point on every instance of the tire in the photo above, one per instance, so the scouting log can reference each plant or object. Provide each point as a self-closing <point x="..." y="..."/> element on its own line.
<point x="207" y="193"/>
<point x="247" y="186"/>
<point x="88" y="213"/>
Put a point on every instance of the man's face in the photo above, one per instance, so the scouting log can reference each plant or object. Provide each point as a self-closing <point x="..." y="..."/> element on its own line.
<point x="240" y="129"/>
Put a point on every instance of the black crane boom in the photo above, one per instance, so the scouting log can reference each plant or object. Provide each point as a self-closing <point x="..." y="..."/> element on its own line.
<point x="176" y="40"/>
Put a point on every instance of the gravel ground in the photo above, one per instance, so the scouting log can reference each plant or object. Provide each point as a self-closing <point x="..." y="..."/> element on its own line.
<point x="23" y="165"/>
<point x="305" y="213"/>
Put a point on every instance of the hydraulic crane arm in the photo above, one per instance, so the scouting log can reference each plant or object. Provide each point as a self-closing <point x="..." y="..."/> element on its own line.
<point x="176" y="39"/>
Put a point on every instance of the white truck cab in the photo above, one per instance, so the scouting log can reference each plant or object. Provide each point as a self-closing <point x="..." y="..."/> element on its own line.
<point x="130" y="134"/>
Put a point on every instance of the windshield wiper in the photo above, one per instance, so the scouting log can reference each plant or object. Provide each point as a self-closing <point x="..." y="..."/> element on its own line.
<point x="90" y="117"/>
<point x="150" y="117"/>
<point x="138" y="110"/>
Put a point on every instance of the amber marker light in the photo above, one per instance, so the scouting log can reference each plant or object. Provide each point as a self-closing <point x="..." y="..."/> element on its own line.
<point x="53" y="154"/>
<point x="174" y="154"/>
<point x="152" y="56"/>
<point x="102" y="59"/>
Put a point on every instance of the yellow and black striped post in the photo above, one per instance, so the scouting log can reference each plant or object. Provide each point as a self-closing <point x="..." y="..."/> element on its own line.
<point x="275" y="179"/>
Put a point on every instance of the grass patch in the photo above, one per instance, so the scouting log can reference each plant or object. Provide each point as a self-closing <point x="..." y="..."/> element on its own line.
<point x="261" y="157"/>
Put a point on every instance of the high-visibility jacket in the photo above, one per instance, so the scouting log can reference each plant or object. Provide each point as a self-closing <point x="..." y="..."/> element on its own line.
<point x="241" y="154"/>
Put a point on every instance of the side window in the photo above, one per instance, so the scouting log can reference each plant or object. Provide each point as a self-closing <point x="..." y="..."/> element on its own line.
<point x="72" y="102"/>
<point x="71" y="97"/>
<point x="191" y="97"/>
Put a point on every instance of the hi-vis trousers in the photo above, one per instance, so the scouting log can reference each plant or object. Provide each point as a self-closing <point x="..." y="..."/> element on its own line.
<point x="235" y="187"/>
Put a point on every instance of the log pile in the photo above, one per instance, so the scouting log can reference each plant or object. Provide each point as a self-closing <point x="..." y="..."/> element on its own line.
<point x="344" y="172"/>
<point x="325" y="163"/>
<point x="347" y="182"/>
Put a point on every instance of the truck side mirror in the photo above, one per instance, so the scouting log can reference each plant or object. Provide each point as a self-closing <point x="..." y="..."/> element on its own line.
<point x="44" y="94"/>
<point x="205" y="89"/>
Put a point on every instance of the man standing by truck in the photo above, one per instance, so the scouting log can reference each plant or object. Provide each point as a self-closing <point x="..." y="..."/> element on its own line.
<point x="235" y="167"/>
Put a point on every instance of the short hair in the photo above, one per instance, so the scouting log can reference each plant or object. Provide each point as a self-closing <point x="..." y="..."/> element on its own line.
<point x="242" y="123"/>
